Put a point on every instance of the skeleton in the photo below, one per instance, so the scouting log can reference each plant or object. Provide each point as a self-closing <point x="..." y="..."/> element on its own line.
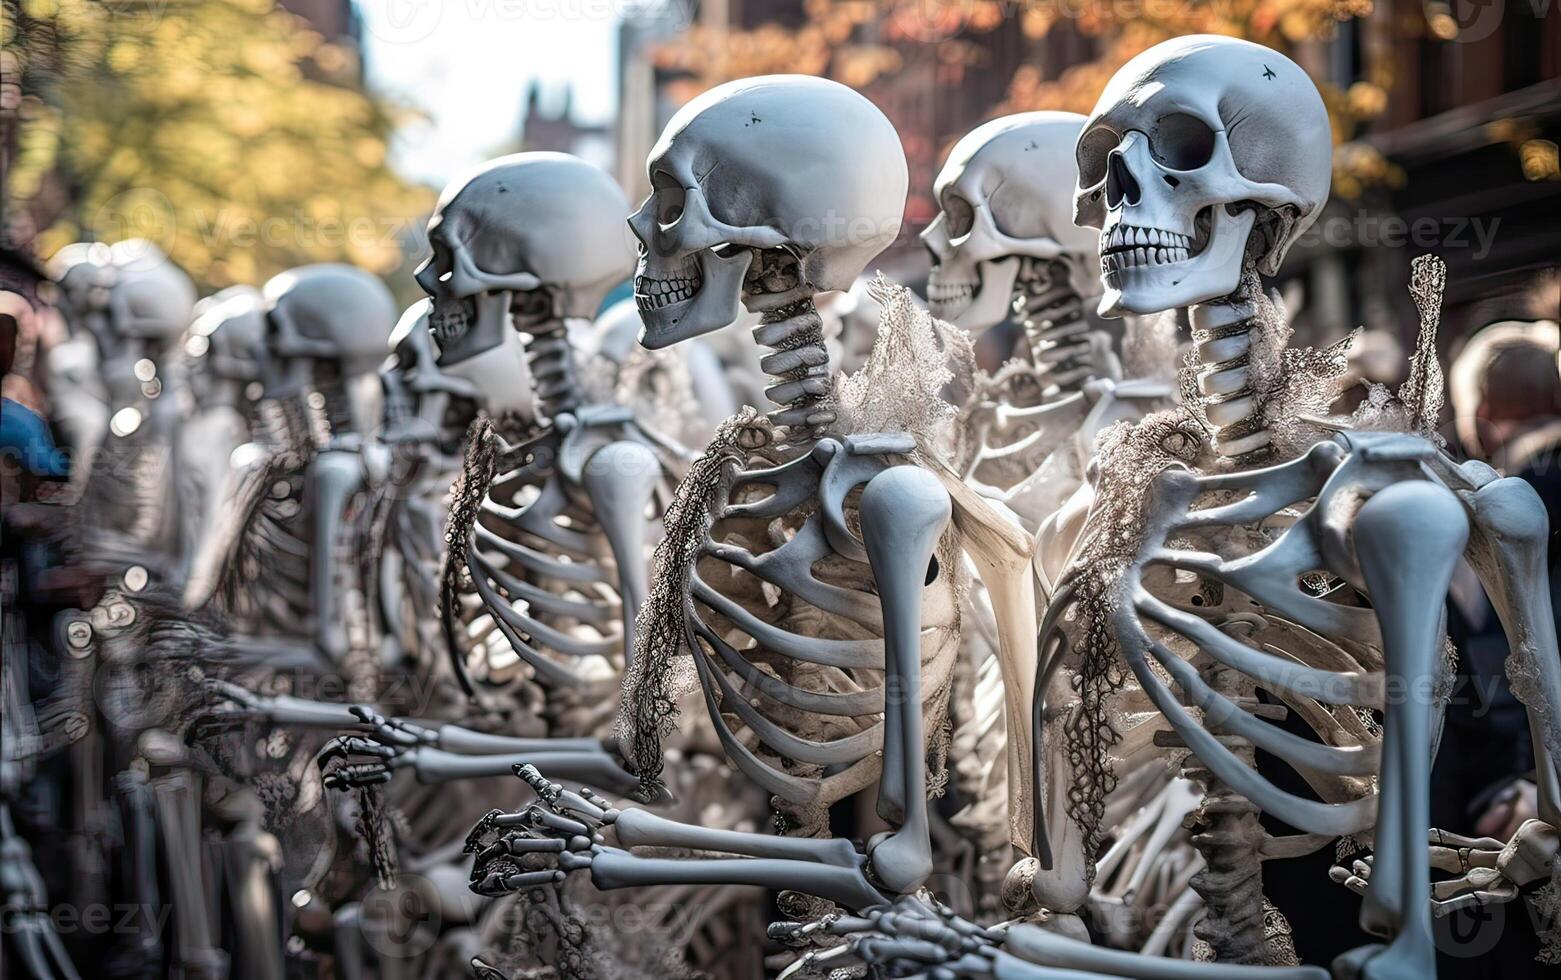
<point x="129" y="502"/>
<point x="1004" y="241"/>
<point x="429" y="409"/>
<point x="77" y="396"/>
<point x="225" y="350"/>
<point x="1259" y="552"/>
<point x="302" y="493"/>
<point x="556" y="555"/>
<point x="770" y="550"/>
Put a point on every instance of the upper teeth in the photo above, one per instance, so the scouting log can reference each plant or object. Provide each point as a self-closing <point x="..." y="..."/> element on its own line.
<point x="450" y="321"/>
<point x="1126" y="245"/>
<point x="940" y="291"/>
<point x="653" y="294"/>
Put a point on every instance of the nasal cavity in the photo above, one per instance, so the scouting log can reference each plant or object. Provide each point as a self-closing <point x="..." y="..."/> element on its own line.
<point x="1121" y="188"/>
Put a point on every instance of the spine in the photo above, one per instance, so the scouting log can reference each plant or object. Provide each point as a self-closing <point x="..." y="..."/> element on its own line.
<point x="1058" y="334"/>
<point x="1223" y="335"/>
<point x="799" y="363"/>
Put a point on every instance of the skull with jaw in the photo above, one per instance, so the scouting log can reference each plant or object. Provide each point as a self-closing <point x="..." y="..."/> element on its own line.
<point x="148" y="305"/>
<point x="228" y="342"/>
<point x="1005" y="194"/>
<point x="328" y="326"/>
<point x="764" y="191"/>
<point x="496" y="380"/>
<point x="1201" y="151"/>
<point x="538" y="232"/>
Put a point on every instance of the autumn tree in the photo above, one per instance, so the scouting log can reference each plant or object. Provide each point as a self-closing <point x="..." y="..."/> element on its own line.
<point x="227" y="131"/>
<point x="866" y="44"/>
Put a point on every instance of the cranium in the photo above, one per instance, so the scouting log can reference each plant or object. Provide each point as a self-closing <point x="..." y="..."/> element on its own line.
<point x="150" y="298"/>
<point x="330" y="325"/>
<point x="1201" y="151"/>
<point x="141" y="303"/>
<point x="545" y="224"/>
<point x="229" y="332"/>
<point x="1005" y="193"/>
<point x="81" y="270"/>
<point x="786" y="165"/>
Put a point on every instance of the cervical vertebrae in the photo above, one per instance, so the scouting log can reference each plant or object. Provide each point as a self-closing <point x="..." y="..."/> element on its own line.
<point x="1229" y="399"/>
<point x="800" y="365"/>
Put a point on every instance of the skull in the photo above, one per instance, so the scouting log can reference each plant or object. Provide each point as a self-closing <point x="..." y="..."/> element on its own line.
<point x="776" y="166"/>
<point x="1006" y="193"/>
<point x="147" y="306"/>
<point x="150" y="299"/>
<point x="545" y="224"/>
<point x="330" y="324"/>
<point x="1202" y="151"/>
<point x="81" y="270"/>
<point x="229" y="332"/>
<point x="497" y="379"/>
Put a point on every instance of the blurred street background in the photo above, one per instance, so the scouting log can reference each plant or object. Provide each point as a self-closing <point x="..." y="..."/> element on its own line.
<point x="247" y="136"/>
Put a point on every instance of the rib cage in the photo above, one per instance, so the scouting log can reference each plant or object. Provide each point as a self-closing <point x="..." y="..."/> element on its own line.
<point x="272" y="545"/>
<point x="543" y="617"/>
<point x="1249" y="575"/>
<point x="790" y="651"/>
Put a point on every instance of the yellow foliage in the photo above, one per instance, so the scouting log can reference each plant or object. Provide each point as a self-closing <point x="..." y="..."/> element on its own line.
<point x="225" y="130"/>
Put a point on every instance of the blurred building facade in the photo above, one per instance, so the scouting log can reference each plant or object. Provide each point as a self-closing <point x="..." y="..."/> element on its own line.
<point x="550" y="124"/>
<point x="1462" y="154"/>
<point x="338" y="22"/>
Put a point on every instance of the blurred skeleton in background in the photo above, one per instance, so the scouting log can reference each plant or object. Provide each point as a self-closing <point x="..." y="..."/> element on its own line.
<point x="225" y="353"/>
<point x="683" y="394"/>
<point x="130" y="501"/>
<point x="78" y="399"/>
<point x="1004" y="243"/>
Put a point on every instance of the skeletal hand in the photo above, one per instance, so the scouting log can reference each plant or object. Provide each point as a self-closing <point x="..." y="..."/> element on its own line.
<point x="1489" y="871"/>
<point x="541" y="844"/>
<point x="385" y="745"/>
<point x="917" y="935"/>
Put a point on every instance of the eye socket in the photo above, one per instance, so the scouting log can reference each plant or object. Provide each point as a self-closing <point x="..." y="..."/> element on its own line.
<point x="670" y="196"/>
<point x="1094" y="146"/>
<point x="1182" y="142"/>
<point x="962" y="217"/>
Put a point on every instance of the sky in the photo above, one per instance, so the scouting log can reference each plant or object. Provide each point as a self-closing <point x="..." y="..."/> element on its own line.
<point x="466" y="65"/>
